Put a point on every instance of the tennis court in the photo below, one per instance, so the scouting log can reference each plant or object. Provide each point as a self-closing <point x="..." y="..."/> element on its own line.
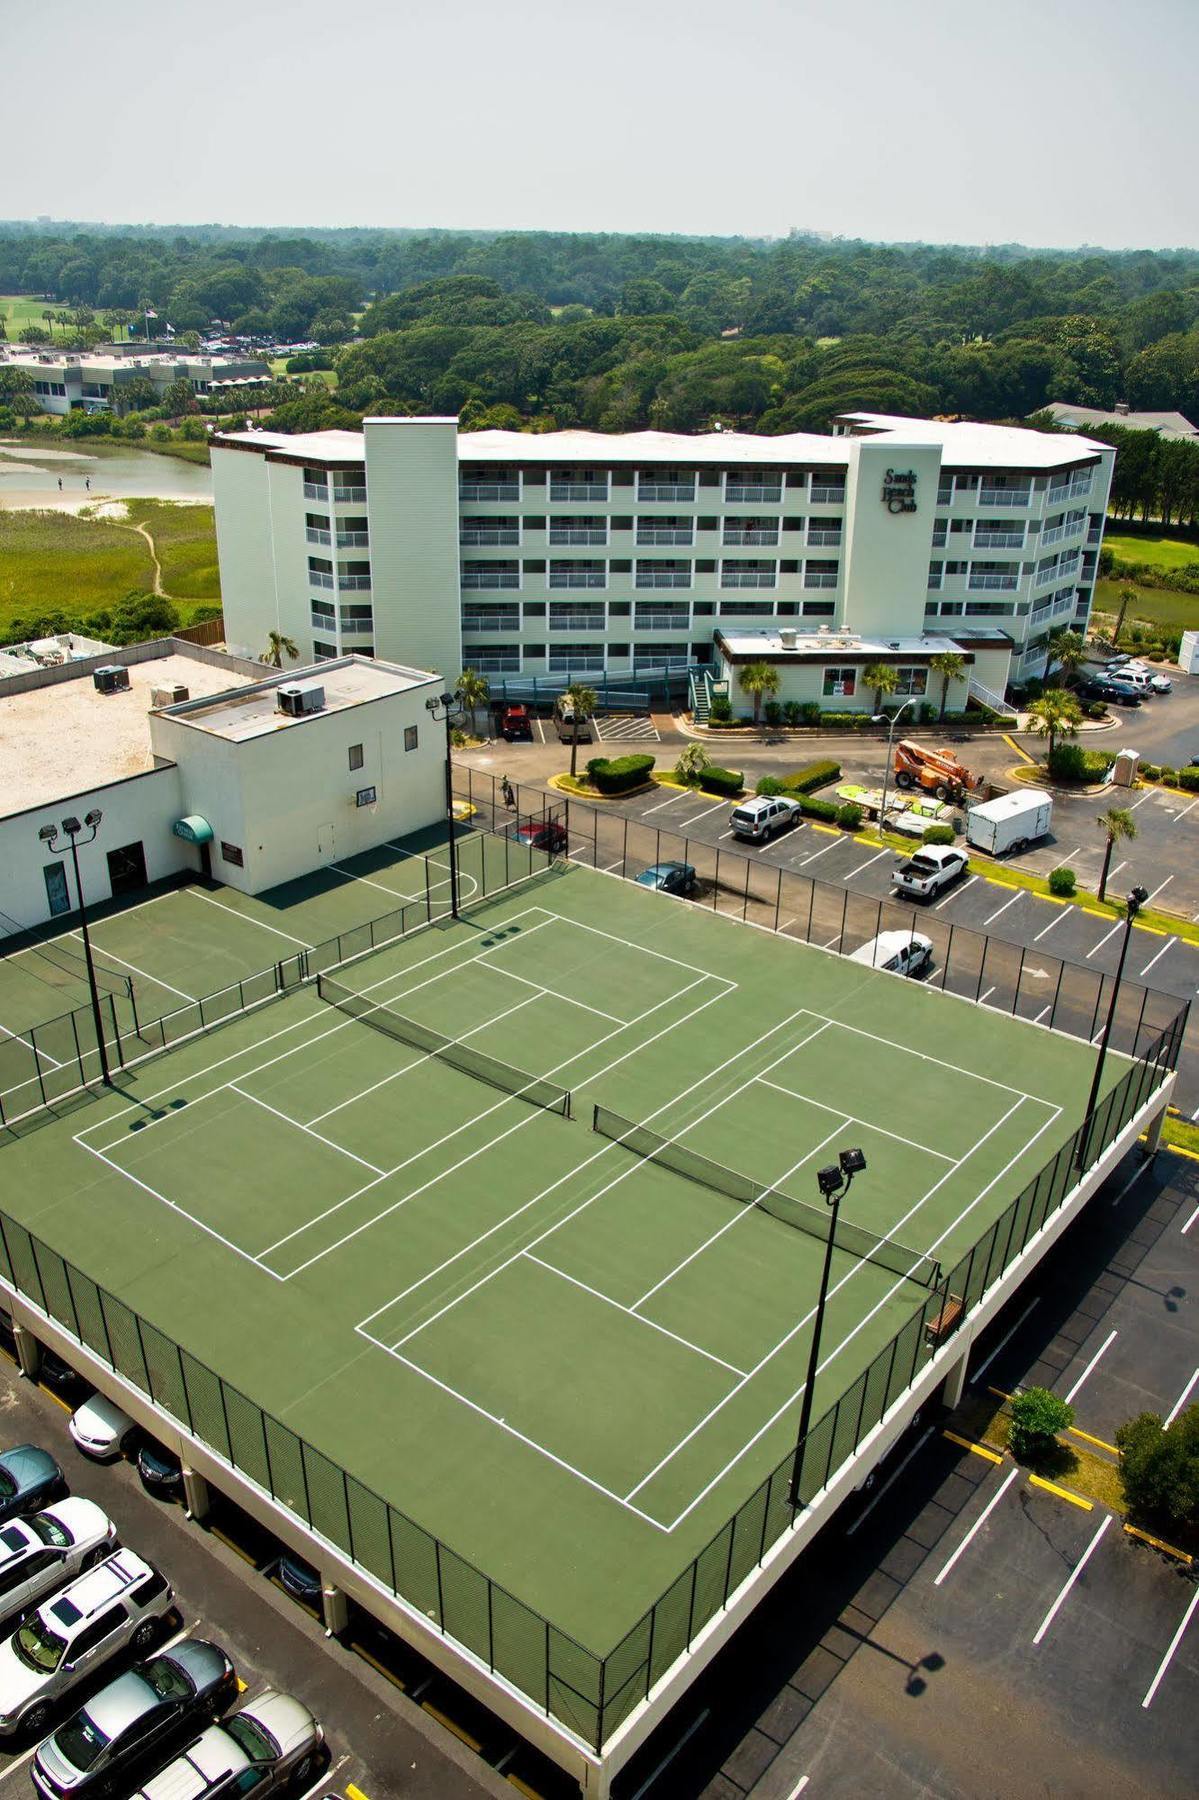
<point x="516" y="1221"/>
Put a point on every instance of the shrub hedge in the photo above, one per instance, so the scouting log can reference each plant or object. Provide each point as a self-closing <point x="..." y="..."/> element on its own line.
<point x="812" y="776"/>
<point x="1189" y="779"/>
<point x="1061" y="881"/>
<point x="938" y="834"/>
<point x="616" y="774"/>
<point x="814" y="808"/>
<point x="849" y="815"/>
<point x="1070" y="762"/>
<point x="720" y="781"/>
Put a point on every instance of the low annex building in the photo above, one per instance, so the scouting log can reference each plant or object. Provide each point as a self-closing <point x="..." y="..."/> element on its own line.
<point x="827" y="668"/>
<point x="207" y="764"/>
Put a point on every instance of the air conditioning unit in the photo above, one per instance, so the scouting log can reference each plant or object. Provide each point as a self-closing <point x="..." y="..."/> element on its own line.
<point x="298" y="699"/>
<point x="170" y="695"/>
<point x="111" y="678"/>
<point x="788" y="637"/>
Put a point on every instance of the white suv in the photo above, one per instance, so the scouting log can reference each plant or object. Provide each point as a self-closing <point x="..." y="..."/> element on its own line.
<point x="39" y="1554"/>
<point x="121" y="1601"/>
<point x="930" y="869"/>
<point x="763" y="816"/>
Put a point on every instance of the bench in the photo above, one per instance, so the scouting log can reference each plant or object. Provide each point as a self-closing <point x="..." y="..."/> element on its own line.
<point x="946" y="1322"/>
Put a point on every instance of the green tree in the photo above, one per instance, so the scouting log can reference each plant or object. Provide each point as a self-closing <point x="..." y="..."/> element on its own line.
<point x="472" y="689"/>
<point x="583" y="702"/>
<point x="1037" y="1417"/>
<point x="950" y="666"/>
<point x="1068" y="650"/>
<point x="883" y="679"/>
<point x="1056" y="714"/>
<point x="759" y="679"/>
<point x="179" y="397"/>
<point x="16" y="391"/>
<point x="51" y="317"/>
<point x="1117" y="822"/>
<point x="1160" y="1467"/>
<point x="693" y="760"/>
<point x="1127" y="596"/>
<point x="278" y="645"/>
<point x="33" y="334"/>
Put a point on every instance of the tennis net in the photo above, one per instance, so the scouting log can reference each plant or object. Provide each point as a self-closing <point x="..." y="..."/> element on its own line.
<point x="814" y="1220"/>
<point x="533" y="1088"/>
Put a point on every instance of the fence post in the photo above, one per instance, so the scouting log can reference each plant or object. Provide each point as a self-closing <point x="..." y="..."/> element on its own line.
<point x="691" y="1602"/>
<point x="441" y="1613"/>
<point x="778" y="897"/>
<point x="844" y="914"/>
<point x="547" y="1647"/>
<point x="1098" y="1005"/>
<point x="345" y="1491"/>
<point x="982" y="966"/>
<point x="141" y="1344"/>
<point x="811" y="881"/>
<point x="1061" y="970"/>
<point x="1019" y="979"/>
<point x="66" y="1270"/>
<point x="745" y="898"/>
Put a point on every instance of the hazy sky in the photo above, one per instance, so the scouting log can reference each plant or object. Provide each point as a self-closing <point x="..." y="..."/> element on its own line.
<point x="1046" y="121"/>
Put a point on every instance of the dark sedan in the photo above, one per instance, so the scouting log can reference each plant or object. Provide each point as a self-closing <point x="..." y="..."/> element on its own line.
<point x="131" y="1726"/>
<point x="669" y="878"/>
<point x="29" y="1479"/>
<point x="159" y="1468"/>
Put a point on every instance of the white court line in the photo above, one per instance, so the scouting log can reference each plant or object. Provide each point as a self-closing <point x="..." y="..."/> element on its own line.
<point x="156" y="979"/>
<point x="620" y="1307"/>
<point x="1167" y="1658"/>
<point x="1182" y="1398"/>
<point x="924" y="1056"/>
<point x="549" y="993"/>
<point x="852" y="1118"/>
<point x="1103" y="940"/>
<point x="981" y="1520"/>
<point x="922" y="1440"/>
<point x="1018" y="895"/>
<point x="1109" y="1339"/>
<point x="173" y="1206"/>
<point x="235" y="913"/>
<point x="1073" y="1576"/>
<point x="1056" y="920"/>
<point x="959" y="890"/>
<point x="1002" y="1344"/>
<point x="232" y="1087"/>
<point x="18" y="1039"/>
<point x="1190" y="1221"/>
<point x="404" y="898"/>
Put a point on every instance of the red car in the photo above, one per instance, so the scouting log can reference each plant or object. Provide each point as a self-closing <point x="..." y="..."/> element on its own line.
<point x="541" y="834"/>
<point x="517" y="722"/>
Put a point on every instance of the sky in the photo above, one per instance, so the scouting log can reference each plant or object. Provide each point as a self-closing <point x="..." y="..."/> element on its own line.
<point x="1044" y="122"/>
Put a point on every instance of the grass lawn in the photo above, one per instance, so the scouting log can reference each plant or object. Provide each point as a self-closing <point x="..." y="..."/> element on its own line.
<point x="19" y="310"/>
<point x="1152" y="548"/>
<point x="51" y="560"/>
<point x="328" y="376"/>
<point x="185" y="538"/>
<point x="1158" y="606"/>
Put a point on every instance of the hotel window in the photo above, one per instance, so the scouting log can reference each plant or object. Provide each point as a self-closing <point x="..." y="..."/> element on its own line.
<point x="355" y="756"/>
<point x="840" y="681"/>
<point x="912" y="681"/>
<point x="410" y="737"/>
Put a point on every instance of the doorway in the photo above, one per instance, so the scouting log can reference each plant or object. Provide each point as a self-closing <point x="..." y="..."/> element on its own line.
<point x="127" y="869"/>
<point x="324" y="843"/>
<point x="56" y="889"/>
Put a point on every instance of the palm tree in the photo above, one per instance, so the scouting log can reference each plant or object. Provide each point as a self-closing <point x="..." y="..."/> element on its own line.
<point x="759" y="679"/>
<point x="583" y="702"/>
<point x="1056" y="714"/>
<point x="1127" y="596"/>
<point x="472" y="689"/>
<point x="277" y="647"/>
<point x="50" y="315"/>
<point x="1068" y="650"/>
<point x="950" y="667"/>
<point x="1118" y="823"/>
<point x="693" y="760"/>
<point x="883" y="679"/>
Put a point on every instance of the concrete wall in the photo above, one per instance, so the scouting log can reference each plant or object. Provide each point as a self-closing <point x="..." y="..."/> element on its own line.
<point x="412" y="504"/>
<point x="245" y="548"/>
<point x="887" y="552"/>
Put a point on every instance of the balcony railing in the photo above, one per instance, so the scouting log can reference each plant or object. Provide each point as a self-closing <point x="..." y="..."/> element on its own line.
<point x="826" y="496"/>
<point x="353" y="582"/>
<point x="828" y="535"/>
<point x="577" y="578"/>
<point x="739" y="492"/>
<point x="315" y="490"/>
<point x="491" y="578"/>
<point x="1054" y="535"/>
<point x="578" y="534"/>
<point x="318" y="578"/>
<point x="945" y="496"/>
<point x="357" y="627"/>
<point x="323" y="621"/>
<point x="585" y="621"/>
<point x="668" y="618"/>
<point x="666" y="490"/>
<point x="999" y="540"/>
<point x="749" y="578"/>
<point x="934" y="582"/>
<point x="1004" y="496"/>
<point x="1001" y="584"/>
<point x="502" y="619"/>
<point x="353" y="540"/>
<point x="571" y="661"/>
<point x="349" y="496"/>
<point x="1044" y="576"/>
<point x="745" y="540"/>
<point x="662" y="578"/>
<point x="819" y="578"/>
<point x="316" y="536"/>
<point x="666" y="534"/>
<point x="489" y="490"/>
<point x="473" y="535"/>
<point x="578" y="490"/>
<point x="938" y="540"/>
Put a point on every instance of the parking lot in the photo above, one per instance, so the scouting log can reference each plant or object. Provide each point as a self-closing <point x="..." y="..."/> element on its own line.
<point x="958" y="1631"/>
<point x="393" y="1726"/>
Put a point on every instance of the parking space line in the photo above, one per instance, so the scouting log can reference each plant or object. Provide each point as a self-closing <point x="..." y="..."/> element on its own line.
<point x="680" y="794"/>
<point x="818" y="853"/>
<point x="957" y="892"/>
<point x="978" y="1524"/>
<point x="1185" y="811"/>
<point x="1182" y="1398"/>
<point x="891" y="1479"/>
<point x="1073" y="1576"/>
<point x="1190" y="1221"/>
<point x="1168" y="945"/>
<point x="1004" y="1341"/>
<point x="1056" y="920"/>
<point x="1174" y="1643"/>
<point x="1103" y="940"/>
<point x="1157" y="890"/>
<point x="1002" y="909"/>
<point x="1147" y="795"/>
<point x="862" y="867"/>
<point x="1105" y="1345"/>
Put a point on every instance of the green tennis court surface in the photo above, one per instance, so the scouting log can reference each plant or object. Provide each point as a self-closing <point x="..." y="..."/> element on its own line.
<point x="568" y="1361"/>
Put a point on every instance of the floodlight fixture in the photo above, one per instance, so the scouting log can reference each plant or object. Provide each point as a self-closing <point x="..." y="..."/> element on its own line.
<point x="829" y="1179"/>
<point x="852" y="1162"/>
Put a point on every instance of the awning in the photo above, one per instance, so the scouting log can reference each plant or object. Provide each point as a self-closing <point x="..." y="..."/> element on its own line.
<point x="194" y="829"/>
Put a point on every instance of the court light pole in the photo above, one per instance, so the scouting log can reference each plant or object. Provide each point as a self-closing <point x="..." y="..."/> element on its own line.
<point x="891" y="720"/>
<point x="1133" y="905"/>
<point x="834" y="1183"/>
<point x="49" y="836"/>
<point x="447" y="703"/>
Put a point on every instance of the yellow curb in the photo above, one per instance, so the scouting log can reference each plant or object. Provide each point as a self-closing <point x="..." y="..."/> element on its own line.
<point x="998" y="1392"/>
<point x="1167" y="1549"/>
<point x="1177" y="1150"/>
<point x="829" y="830"/>
<point x="978" y="1449"/>
<point x="1062" y="1493"/>
<point x="1088" y="1439"/>
<point x="354" y="1793"/>
<point x="1013" y="745"/>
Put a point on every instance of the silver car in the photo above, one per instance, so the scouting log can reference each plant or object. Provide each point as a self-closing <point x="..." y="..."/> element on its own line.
<point x="42" y="1552"/>
<point x="272" y="1743"/>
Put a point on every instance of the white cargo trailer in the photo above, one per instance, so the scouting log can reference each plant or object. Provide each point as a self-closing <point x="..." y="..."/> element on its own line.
<point x="1012" y="822"/>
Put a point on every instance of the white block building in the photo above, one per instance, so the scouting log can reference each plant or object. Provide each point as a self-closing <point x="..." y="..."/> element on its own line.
<point x="91" y="380"/>
<point x="549" y="556"/>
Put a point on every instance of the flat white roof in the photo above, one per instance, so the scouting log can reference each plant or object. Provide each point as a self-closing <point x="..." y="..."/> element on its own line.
<point x="66" y="738"/>
<point x="651" y="447"/>
<point x="253" y="710"/>
<point x="983" y="446"/>
<point x="321" y="446"/>
<point x="769" y="644"/>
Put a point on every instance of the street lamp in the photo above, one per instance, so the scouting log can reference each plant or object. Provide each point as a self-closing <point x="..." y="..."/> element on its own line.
<point x="447" y="703"/>
<point x="890" y="719"/>
<point x="1133" y="904"/>
<point x="834" y="1183"/>
<point x="49" y="836"/>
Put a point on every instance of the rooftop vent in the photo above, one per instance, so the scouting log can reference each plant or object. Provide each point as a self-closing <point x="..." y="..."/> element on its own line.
<point x="298" y="699"/>
<point x="170" y="695"/>
<point x="788" y="637"/>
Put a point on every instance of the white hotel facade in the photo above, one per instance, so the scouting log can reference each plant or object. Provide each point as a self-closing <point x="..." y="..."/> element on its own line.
<point x="577" y="554"/>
